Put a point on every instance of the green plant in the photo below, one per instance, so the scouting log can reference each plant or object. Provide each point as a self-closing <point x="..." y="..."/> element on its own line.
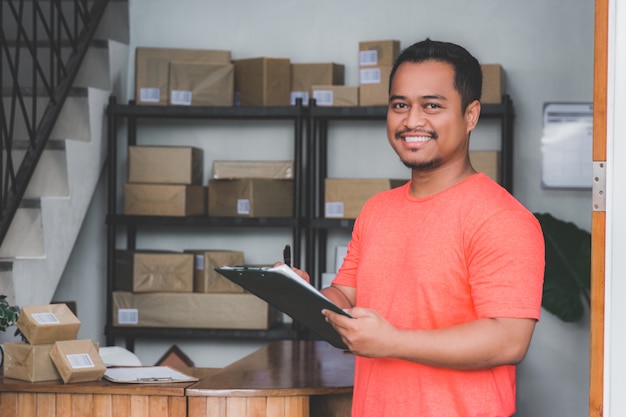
<point x="567" y="278"/>
<point x="8" y="313"/>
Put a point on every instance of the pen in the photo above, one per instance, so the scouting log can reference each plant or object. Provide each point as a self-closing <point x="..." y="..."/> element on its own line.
<point x="287" y="255"/>
<point x="155" y="378"/>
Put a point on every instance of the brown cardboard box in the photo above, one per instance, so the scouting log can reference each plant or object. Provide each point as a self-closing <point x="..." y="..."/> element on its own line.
<point x="45" y="324"/>
<point x="335" y="95"/>
<point x="251" y="197"/>
<point x="164" y="200"/>
<point x="30" y="363"/>
<point x="487" y="162"/>
<point x="201" y="83"/>
<point x="374" y="86"/>
<point x="344" y="198"/>
<point x="165" y="165"/>
<point x="262" y="81"/>
<point x="306" y="75"/>
<point x="154" y="271"/>
<point x="152" y="70"/>
<point x="214" y="311"/>
<point x="493" y="84"/>
<point x="252" y="169"/>
<point x="77" y="361"/>
<point x="378" y="53"/>
<point x="206" y="280"/>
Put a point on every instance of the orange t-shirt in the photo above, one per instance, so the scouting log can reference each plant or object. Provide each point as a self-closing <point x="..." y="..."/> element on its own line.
<point x="471" y="251"/>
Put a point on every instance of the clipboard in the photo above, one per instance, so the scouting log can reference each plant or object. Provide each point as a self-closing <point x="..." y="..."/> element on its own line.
<point x="146" y="375"/>
<point x="282" y="288"/>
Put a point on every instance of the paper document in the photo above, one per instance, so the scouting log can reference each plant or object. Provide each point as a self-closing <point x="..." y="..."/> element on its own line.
<point x="146" y="375"/>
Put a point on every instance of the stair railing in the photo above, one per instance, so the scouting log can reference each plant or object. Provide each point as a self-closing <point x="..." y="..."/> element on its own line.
<point x="42" y="44"/>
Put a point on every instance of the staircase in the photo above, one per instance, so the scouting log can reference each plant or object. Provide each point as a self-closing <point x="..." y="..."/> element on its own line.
<point x="41" y="235"/>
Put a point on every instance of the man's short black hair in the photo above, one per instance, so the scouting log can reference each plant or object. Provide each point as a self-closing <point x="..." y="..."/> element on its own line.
<point x="468" y="76"/>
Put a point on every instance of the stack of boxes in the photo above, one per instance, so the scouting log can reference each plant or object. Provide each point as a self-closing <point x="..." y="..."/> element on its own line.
<point x="52" y="351"/>
<point x="376" y="58"/>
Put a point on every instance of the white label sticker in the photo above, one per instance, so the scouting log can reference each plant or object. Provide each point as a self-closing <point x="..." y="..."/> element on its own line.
<point x="80" y="361"/>
<point x="304" y="95"/>
<point x="334" y="209"/>
<point x="370" y="76"/>
<point x="149" y="95"/>
<point x="323" y="97"/>
<point x="127" y="316"/>
<point x="243" y="206"/>
<point x="181" y="97"/>
<point x="369" y="57"/>
<point x="46" y="318"/>
<point x="200" y="262"/>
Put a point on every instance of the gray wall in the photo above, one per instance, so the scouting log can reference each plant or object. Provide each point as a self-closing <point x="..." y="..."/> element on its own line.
<point x="546" y="49"/>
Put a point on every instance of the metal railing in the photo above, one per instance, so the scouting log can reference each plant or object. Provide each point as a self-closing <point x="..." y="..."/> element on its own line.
<point x="42" y="44"/>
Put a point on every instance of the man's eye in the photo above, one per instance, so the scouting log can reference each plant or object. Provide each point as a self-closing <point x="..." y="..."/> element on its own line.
<point x="432" y="106"/>
<point x="399" y="106"/>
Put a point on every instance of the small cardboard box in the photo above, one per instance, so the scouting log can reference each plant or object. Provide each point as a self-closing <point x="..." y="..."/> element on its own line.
<point x="45" y="324"/>
<point x="344" y="198"/>
<point x="164" y="200"/>
<point x="193" y="311"/>
<point x="152" y="67"/>
<point x="30" y="363"/>
<point x="251" y="197"/>
<point x="374" y="86"/>
<point x="154" y="271"/>
<point x="262" y="81"/>
<point x="487" y="162"/>
<point x="77" y="361"/>
<point x="201" y="84"/>
<point x="336" y="95"/>
<point x="165" y="165"/>
<point x="493" y="84"/>
<point x="306" y="75"/>
<point x="378" y="53"/>
<point x="206" y="280"/>
<point x="252" y="169"/>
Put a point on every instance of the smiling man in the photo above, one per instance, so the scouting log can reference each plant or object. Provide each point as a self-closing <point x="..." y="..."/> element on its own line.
<point x="443" y="276"/>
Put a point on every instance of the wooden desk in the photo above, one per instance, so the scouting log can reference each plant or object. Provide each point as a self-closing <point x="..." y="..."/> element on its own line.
<point x="283" y="379"/>
<point x="94" y="399"/>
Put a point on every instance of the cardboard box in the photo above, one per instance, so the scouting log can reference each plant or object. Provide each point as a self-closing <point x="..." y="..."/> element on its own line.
<point x="165" y="165"/>
<point x="262" y="81"/>
<point x="487" y="162"/>
<point x="252" y="169"/>
<point x="374" y="86"/>
<point x="30" y="363"/>
<point x="164" y="200"/>
<point x="306" y="75"/>
<point x="77" y="361"/>
<point x="378" y="53"/>
<point x="201" y="83"/>
<point x="251" y="197"/>
<point x="344" y="198"/>
<point x="205" y="279"/>
<point x="335" y="95"/>
<point x="211" y="311"/>
<point x="493" y="84"/>
<point x="152" y="67"/>
<point x="154" y="271"/>
<point x="49" y="323"/>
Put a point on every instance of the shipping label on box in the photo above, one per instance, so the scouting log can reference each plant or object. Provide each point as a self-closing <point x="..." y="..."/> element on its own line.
<point x="378" y="53"/>
<point x="164" y="200"/>
<point x="262" y="81"/>
<point x="45" y="324"/>
<point x="28" y="362"/>
<point x="154" y="271"/>
<point x="201" y="84"/>
<point x="206" y="280"/>
<point x="152" y="67"/>
<point x="203" y="311"/>
<point x="251" y="197"/>
<point x="253" y="169"/>
<point x="77" y="361"/>
<point x="306" y="75"/>
<point x="374" y="86"/>
<point x="165" y="165"/>
<point x="487" y="162"/>
<point x="493" y="84"/>
<point x="336" y="95"/>
<point x="344" y="198"/>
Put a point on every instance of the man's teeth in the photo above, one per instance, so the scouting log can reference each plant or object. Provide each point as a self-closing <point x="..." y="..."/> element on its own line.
<point x="416" y="138"/>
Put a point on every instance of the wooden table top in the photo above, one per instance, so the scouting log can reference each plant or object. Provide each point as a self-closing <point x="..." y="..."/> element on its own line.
<point x="283" y="368"/>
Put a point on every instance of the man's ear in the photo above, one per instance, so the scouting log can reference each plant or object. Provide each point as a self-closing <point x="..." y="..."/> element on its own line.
<point x="472" y="113"/>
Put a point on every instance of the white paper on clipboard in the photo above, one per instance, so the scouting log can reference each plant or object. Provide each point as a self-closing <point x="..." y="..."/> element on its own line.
<point x="566" y="145"/>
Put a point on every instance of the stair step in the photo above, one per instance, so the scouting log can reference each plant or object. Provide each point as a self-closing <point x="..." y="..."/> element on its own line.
<point x="25" y="236"/>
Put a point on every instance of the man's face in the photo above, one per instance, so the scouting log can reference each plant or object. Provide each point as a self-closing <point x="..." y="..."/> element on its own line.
<point x="425" y="125"/>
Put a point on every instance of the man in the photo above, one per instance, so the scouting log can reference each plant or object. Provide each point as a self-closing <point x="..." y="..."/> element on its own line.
<point x="443" y="276"/>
